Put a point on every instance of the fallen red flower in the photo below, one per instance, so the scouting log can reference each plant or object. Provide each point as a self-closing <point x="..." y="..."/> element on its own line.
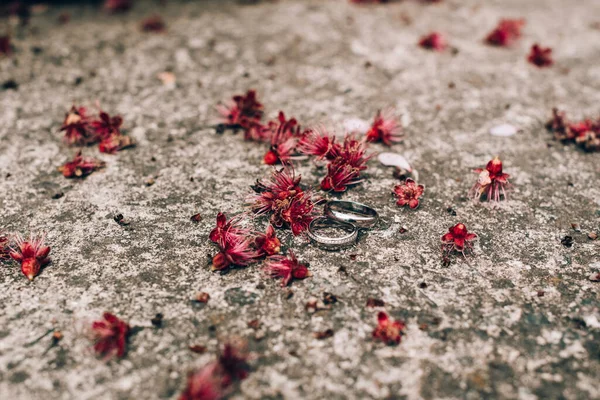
<point x="233" y="361"/>
<point x="286" y="267"/>
<point x="242" y="112"/>
<point x="408" y="193"/>
<point x="106" y="126"/>
<point x="458" y="239"/>
<point x="110" y="336"/>
<point x="318" y="143"/>
<point x="540" y="56"/>
<point x="284" y="138"/>
<point x="77" y="127"/>
<point x="284" y="200"/>
<point x="236" y="244"/>
<point x="115" y="142"/>
<point x="507" y="32"/>
<point x="434" y="41"/>
<point x="492" y="182"/>
<point x="154" y="24"/>
<point x="32" y="254"/>
<point x="584" y="133"/>
<point x="347" y="163"/>
<point x="388" y="330"/>
<point x="80" y="167"/>
<point x="386" y="128"/>
<point x="204" y="384"/>
<point x="267" y="243"/>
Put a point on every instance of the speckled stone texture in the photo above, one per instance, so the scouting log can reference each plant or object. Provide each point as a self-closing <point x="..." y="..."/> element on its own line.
<point x="518" y="319"/>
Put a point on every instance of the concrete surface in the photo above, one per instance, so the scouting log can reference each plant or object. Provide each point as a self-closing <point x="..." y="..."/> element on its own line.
<point x="488" y="332"/>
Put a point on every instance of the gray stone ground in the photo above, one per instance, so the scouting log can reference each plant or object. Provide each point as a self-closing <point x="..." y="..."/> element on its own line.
<point x="488" y="333"/>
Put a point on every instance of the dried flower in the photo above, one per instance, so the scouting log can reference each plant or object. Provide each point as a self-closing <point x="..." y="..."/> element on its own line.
<point x="458" y="239"/>
<point x="388" y="330"/>
<point x="115" y="142"/>
<point x="106" y="126"/>
<point x="284" y="138"/>
<point x="507" y="32"/>
<point x="433" y="41"/>
<point x="540" y="56"/>
<point x="5" y="45"/>
<point x="243" y="111"/>
<point x="116" y="6"/>
<point x="204" y="384"/>
<point x="80" y="167"/>
<point x="235" y="243"/>
<point x="408" y="193"/>
<point x="110" y="336"/>
<point x="32" y="254"/>
<point x="345" y="168"/>
<point x="267" y="243"/>
<point x="283" y="198"/>
<point x="154" y="24"/>
<point x="77" y="127"/>
<point x="319" y="143"/>
<point x="386" y="128"/>
<point x="492" y="182"/>
<point x="287" y="268"/>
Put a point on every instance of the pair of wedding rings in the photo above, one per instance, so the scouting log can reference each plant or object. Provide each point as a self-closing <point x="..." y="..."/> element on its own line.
<point x="345" y="216"/>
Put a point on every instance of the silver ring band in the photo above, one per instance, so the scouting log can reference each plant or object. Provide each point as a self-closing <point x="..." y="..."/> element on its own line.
<point x="357" y="214"/>
<point x="332" y="242"/>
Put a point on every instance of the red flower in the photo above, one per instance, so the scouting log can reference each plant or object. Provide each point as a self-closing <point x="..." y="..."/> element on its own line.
<point x="284" y="137"/>
<point x="540" y="56"/>
<point x="267" y="243"/>
<point x="243" y="111"/>
<point x="110" y="336"/>
<point x="434" y="41"/>
<point x="408" y="192"/>
<point x="347" y="163"/>
<point x="32" y="254"/>
<point x="205" y="384"/>
<point x="115" y="142"/>
<point x="115" y="6"/>
<point x="388" y="330"/>
<point x="80" y="167"/>
<point x="507" y="31"/>
<point x="5" y="45"/>
<point x="154" y="24"/>
<point x="287" y="268"/>
<point x="492" y="182"/>
<point x="319" y="143"/>
<point x="106" y="125"/>
<point x="77" y="127"/>
<point x="386" y="128"/>
<point x="298" y="213"/>
<point x="283" y="198"/>
<point x="585" y="133"/>
<point x="458" y="239"/>
<point x="236" y="244"/>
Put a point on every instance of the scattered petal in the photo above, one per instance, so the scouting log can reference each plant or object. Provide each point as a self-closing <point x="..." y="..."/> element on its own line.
<point x="503" y="130"/>
<point x="394" y="160"/>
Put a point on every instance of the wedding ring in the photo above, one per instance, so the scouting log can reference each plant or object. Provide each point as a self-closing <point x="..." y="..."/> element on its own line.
<point x="357" y="214"/>
<point x="332" y="242"/>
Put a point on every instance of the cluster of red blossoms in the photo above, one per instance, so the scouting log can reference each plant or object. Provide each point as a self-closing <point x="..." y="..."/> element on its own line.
<point x="283" y="199"/>
<point x="215" y="380"/>
<point x="82" y="130"/>
<point x="238" y="245"/>
<point x="586" y="133"/>
<point x="288" y="141"/>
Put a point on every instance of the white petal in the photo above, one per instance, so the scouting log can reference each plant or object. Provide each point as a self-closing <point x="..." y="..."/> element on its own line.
<point x="503" y="130"/>
<point x="394" y="160"/>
